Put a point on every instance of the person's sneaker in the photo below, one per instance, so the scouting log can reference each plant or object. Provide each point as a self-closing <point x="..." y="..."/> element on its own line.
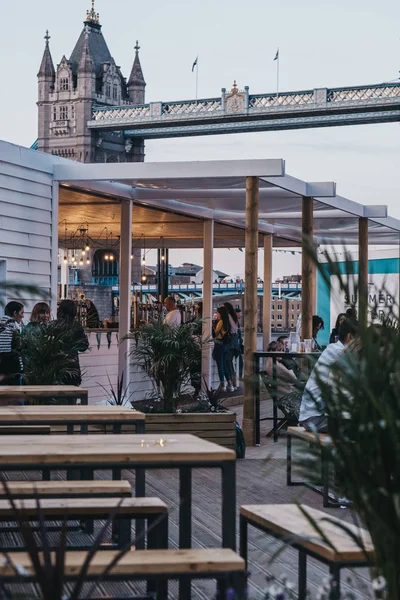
<point x="230" y="388"/>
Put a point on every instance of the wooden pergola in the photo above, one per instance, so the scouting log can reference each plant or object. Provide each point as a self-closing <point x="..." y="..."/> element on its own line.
<point x="250" y="204"/>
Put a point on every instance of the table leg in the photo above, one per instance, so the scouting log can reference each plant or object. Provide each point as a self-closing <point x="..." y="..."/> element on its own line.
<point x="140" y="492"/>
<point x="256" y="373"/>
<point x="185" y="523"/>
<point x="141" y="426"/>
<point x="325" y="479"/>
<point x="334" y="571"/>
<point x="302" y="575"/>
<point x="243" y="538"/>
<point x="229" y="504"/>
<point x="274" y="399"/>
<point x="185" y="508"/>
<point x="289" y="461"/>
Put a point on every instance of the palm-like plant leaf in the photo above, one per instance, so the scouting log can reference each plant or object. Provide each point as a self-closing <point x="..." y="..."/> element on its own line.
<point x="170" y="356"/>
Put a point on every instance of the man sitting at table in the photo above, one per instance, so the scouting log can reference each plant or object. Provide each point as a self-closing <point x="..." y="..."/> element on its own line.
<point x="312" y="410"/>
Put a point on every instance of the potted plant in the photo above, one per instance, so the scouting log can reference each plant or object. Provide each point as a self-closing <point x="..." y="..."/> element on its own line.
<point x="171" y="358"/>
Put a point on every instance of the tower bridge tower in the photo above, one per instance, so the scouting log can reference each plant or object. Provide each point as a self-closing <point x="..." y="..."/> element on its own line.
<point x="67" y="94"/>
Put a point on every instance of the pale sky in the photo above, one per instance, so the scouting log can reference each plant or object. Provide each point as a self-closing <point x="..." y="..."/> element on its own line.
<point x="322" y="44"/>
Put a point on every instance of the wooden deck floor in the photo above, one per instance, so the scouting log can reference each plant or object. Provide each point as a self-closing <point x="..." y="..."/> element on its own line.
<point x="258" y="481"/>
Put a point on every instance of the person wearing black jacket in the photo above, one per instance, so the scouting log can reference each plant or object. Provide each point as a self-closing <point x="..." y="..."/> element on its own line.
<point x="10" y="344"/>
<point x="66" y="315"/>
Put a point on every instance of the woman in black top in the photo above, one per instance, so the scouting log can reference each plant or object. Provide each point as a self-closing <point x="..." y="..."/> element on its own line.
<point x="66" y="315"/>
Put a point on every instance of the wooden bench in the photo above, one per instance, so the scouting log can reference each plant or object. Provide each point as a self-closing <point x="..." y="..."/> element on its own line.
<point x="28" y="394"/>
<point x="67" y="489"/>
<point x="25" y="429"/>
<point x="289" y="523"/>
<point x="321" y="440"/>
<point x="155" y="565"/>
<point x="154" y="510"/>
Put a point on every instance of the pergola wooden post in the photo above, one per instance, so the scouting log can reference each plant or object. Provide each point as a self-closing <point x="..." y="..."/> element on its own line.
<point x="208" y="246"/>
<point x="267" y="290"/>
<point x="363" y="270"/>
<point x="250" y="304"/>
<point x="307" y="269"/>
<point x="125" y="289"/>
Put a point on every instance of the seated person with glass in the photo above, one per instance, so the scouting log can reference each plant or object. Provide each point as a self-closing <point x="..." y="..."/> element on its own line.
<point x="312" y="410"/>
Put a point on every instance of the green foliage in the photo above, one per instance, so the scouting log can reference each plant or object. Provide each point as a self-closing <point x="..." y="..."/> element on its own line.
<point x="48" y="563"/>
<point x="171" y="357"/>
<point x="362" y="400"/>
<point x="119" y="396"/>
<point x="47" y="351"/>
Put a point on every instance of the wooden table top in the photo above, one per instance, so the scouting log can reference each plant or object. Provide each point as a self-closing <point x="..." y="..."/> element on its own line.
<point x="107" y="449"/>
<point x="288" y="520"/>
<point x="78" y="413"/>
<point x="42" y="390"/>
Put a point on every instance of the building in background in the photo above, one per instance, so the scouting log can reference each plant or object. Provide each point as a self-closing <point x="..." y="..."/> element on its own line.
<point x="67" y="95"/>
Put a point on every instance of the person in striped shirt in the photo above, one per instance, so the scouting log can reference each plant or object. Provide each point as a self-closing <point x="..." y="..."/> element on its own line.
<point x="10" y="344"/>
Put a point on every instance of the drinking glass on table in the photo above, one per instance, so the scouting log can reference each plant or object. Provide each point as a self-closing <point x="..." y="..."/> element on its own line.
<point x="307" y="345"/>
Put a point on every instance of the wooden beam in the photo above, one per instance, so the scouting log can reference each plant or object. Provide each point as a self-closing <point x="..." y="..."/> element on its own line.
<point x="125" y="289"/>
<point x="267" y="291"/>
<point x="307" y="269"/>
<point x="363" y="270"/>
<point x="250" y="304"/>
<point x="208" y="247"/>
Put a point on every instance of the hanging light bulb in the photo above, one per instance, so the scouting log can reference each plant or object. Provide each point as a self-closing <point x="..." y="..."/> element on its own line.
<point x="131" y="256"/>
<point x="65" y="260"/>
<point x="87" y="247"/>
<point x="144" y="278"/>
<point x="111" y="256"/>
<point x="81" y="261"/>
<point x="73" y="258"/>
<point x="83" y="251"/>
<point x="88" y="261"/>
<point x="162" y="257"/>
<point x="144" y="259"/>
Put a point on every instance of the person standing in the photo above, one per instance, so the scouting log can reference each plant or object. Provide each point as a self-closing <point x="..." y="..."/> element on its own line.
<point x="317" y="325"/>
<point x="234" y="343"/>
<point x="40" y="314"/>
<point x="10" y="344"/>
<point x="222" y="337"/>
<point x="240" y="343"/>
<point x="173" y="316"/>
<point x="66" y="316"/>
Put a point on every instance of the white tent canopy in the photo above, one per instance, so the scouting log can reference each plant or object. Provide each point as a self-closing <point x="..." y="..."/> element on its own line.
<point x="216" y="190"/>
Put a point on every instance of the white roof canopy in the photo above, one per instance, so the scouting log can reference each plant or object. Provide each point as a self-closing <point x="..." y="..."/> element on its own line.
<point x="189" y="192"/>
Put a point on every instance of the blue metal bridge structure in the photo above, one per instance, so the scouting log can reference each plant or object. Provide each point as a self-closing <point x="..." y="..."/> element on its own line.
<point x="189" y="290"/>
<point x="238" y="111"/>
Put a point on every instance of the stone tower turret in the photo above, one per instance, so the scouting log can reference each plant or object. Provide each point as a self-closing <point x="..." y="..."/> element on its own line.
<point x="68" y="94"/>
<point x="136" y="83"/>
<point x="46" y="77"/>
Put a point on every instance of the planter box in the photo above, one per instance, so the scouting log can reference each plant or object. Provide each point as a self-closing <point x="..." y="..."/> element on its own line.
<point x="214" y="427"/>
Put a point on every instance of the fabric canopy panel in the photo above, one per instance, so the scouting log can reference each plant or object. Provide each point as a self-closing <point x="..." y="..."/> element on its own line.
<point x="171" y="201"/>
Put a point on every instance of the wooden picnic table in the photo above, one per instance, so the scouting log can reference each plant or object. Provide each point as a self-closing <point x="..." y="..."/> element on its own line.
<point x="136" y="452"/>
<point x="70" y="416"/>
<point x="26" y="392"/>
